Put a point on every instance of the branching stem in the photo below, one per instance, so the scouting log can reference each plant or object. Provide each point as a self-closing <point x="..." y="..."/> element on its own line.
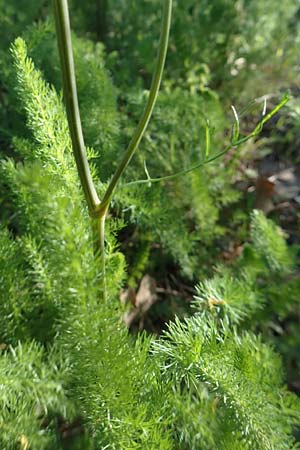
<point x="98" y="210"/>
<point x="236" y="142"/>
<point x="143" y="123"/>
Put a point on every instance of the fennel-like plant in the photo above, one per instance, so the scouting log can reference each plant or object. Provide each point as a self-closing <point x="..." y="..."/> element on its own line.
<point x="98" y="209"/>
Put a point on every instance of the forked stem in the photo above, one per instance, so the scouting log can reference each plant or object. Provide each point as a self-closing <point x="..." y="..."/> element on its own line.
<point x="142" y="125"/>
<point x="144" y="121"/>
<point x="98" y="210"/>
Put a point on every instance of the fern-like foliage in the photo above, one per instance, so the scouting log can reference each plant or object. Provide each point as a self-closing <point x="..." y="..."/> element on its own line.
<point x="32" y="397"/>
<point x="189" y="206"/>
<point x="176" y="136"/>
<point x="13" y="289"/>
<point x="44" y="109"/>
<point x="228" y="296"/>
<point x="52" y="223"/>
<point x="205" y="384"/>
<point x="61" y="280"/>
<point x="96" y="92"/>
<point x="243" y="374"/>
<point x="247" y="294"/>
<point x="270" y="244"/>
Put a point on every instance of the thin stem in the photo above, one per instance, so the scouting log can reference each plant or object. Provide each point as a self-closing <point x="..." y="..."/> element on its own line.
<point x="184" y="171"/>
<point x="102" y="243"/>
<point x="98" y="225"/>
<point x="63" y="31"/>
<point x="98" y="210"/>
<point x="143" y="123"/>
<point x="236" y="142"/>
<point x="138" y="135"/>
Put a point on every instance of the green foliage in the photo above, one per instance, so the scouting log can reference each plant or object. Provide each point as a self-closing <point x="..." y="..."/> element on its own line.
<point x="241" y="291"/>
<point x="97" y="95"/>
<point x="222" y="42"/>
<point x="63" y="295"/>
<point x="12" y="287"/>
<point x="117" y="387"/>
<point x="211" y="381"/>
<point x="248" y="390"/>
<point x="31" y="397"/>
<point x="269" y="243"/>
<point x="195" y="213"/>
<point x="229" y="296"/>
<point x="16" y="16"/>
<point x="248" y="294"/>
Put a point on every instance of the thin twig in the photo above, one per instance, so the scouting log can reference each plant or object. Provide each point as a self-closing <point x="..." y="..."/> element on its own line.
<point x="234" y="144"/>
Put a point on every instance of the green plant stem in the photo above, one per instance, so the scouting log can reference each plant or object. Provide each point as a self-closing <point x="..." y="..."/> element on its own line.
<point x="102" y="254"/>
<point x="237" y="142"/>
<point x="63" y="32"/>
<point x="182" y="172"/>
<point x="143" y="123"/>
<point x="141" y="128"/>
<point x="98" y="210"/>
<point x="98" y="225"/>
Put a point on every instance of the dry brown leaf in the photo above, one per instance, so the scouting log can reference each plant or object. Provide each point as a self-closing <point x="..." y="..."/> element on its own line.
<point x="143" y="300"/>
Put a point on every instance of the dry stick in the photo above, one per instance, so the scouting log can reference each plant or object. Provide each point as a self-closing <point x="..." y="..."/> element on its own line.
<point x="98" y="210"/>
